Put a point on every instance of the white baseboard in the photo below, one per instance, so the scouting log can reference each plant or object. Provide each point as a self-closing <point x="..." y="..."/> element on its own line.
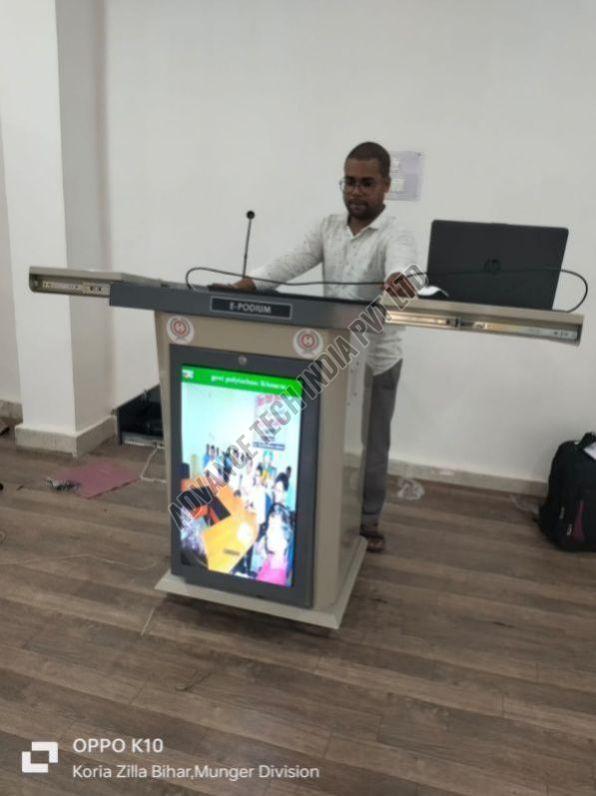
<point x="500" y="483"/>
<point x="76" y="444"/>
<point x="426" y="472"/>
<point x="11" y="409"/>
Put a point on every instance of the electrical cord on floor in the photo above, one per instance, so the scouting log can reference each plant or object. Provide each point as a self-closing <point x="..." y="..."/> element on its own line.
<point x="148" y="620"/>
<point x="52" y="559"/>
<point x="158" y="447"/>
<point x="422" y="273"/>
<point x="525" y="506"/>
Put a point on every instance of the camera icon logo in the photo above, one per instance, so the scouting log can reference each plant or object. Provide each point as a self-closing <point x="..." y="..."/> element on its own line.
<point x="28" y="767"/>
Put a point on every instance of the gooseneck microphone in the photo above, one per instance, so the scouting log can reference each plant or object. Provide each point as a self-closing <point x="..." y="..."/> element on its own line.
<point x="250" y="214"/>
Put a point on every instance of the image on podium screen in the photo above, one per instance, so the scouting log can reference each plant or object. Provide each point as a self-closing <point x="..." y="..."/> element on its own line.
<point x="244" y="457"/>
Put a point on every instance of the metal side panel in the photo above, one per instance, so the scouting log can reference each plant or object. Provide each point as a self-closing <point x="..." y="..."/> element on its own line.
<point x="514" y="321"/>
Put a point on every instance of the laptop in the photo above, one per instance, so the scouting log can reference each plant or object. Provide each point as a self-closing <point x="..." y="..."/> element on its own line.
<point x="501" y="264"/>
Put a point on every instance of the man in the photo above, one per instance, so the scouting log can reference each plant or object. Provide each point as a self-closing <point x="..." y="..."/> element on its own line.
<point x="370" y="246"/>
<point x="280" y="489"/>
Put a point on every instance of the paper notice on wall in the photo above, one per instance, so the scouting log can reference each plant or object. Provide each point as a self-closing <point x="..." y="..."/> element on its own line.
<point x="406" y="175"/>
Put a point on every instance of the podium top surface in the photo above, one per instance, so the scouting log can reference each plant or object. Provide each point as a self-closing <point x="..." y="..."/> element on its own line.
<point x="137" y="292"/>
<point x="280" y="308"/>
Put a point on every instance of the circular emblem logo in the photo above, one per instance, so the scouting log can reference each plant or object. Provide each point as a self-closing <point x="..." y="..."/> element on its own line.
<point x="308" y="343"/>
<point x="180" y="329"/>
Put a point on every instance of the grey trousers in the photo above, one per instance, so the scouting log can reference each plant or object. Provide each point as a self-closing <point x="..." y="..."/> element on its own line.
<point x="379" y="402"/>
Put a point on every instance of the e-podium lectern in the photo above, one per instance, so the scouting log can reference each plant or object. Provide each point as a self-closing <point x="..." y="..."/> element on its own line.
<point x="264" y="495"/>
<point x="264" y="484"/>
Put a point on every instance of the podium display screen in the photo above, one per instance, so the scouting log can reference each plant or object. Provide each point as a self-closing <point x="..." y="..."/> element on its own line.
<point x="247" y="457"/>
<point x="244" y="451"/>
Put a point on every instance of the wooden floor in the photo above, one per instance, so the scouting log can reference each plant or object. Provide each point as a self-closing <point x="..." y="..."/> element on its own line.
<point x="466" y="663"/>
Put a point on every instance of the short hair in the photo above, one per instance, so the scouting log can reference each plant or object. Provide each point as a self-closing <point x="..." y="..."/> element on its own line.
<point x="282" y="513"/>
<point x="282" y="479"/>
<point x="369" y="150"/>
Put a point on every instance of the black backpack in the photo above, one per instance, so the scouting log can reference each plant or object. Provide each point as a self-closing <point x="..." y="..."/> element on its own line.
<point x="568" y="516"/>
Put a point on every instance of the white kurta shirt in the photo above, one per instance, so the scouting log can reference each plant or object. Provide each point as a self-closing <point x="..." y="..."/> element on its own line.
<point x="382" y="248"/>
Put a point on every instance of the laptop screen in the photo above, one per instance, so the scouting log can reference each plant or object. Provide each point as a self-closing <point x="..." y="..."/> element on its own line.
<point x="499" y="264"/>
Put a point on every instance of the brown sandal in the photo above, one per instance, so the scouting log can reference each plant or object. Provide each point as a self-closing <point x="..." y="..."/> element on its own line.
<point x="375" y="539"/>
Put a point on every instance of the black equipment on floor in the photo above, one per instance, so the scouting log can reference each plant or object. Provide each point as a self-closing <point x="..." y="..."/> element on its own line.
<point x="568" y="516"/>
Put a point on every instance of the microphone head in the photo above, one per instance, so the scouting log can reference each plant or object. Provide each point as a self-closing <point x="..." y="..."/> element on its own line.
<point x="250" y="214"/>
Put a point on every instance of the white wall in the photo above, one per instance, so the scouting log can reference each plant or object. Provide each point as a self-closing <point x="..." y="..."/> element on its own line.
<point x="10" y="389"/>
<point x="214" y="108"/>
<point x="50" y="79"/>
<point x="33" y="182"/>
<point x="81" y="51"/>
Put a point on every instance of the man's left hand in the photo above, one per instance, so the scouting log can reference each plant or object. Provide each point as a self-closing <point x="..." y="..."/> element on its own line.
<point x="399" y="286"/>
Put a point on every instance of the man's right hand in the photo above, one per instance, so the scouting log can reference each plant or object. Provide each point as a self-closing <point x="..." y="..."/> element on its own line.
<point x="245" y="285"/>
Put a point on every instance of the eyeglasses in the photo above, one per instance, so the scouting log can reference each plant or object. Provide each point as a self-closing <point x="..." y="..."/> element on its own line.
<point x="351" y="183"/>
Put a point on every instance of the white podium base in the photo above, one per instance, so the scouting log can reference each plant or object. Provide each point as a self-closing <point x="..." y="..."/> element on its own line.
<point x="330" y="617"/>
